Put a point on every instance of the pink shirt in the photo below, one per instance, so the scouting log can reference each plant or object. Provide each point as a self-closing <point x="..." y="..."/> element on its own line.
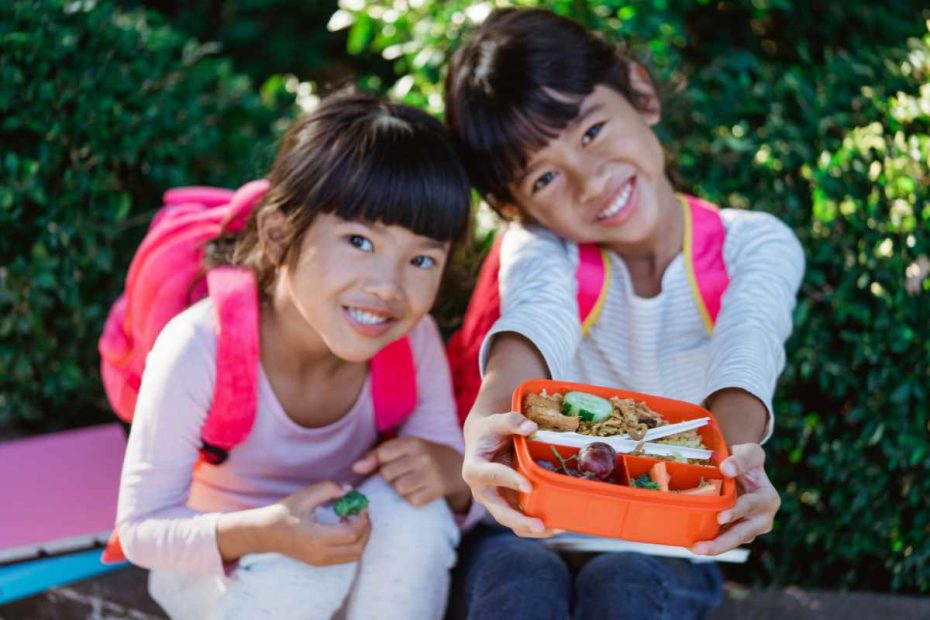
<point x="168" y="509"/>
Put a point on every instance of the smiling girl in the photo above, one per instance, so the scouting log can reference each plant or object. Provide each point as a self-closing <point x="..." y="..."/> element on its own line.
<point x="556" y="128"/>
<point x="348" y="248"/>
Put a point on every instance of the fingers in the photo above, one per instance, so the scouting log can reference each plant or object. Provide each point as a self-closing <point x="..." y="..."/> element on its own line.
<point x="366" y="465"/>
<point x="347" y="532"/>
<point x="323" y="492"/>
<point x="479" y="476"/>
<point x="393" y="449"/>
<point x="504" y="425"/>
<point x="393" y="470"/>
<point x="744" y="458"/>
<point x="422" y="496"/>
<point x="522" y="525"/>
<point x="742" y="532"/>
<point x="762" y="502"/>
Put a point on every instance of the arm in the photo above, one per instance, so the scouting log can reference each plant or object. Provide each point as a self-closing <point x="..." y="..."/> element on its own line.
<point x="536" y="336"/>
<point x="747" y="355"/>
<point x="157" y="529"/>
<point x="747" y="352"/>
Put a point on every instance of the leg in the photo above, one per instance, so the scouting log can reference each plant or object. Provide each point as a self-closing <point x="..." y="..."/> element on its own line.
<point x="404" y="570"/>
<point x="186" y="596"/>
<point x="633" y="585"/>
<point x="276" y="586"/>
<point x="501" y="575"/>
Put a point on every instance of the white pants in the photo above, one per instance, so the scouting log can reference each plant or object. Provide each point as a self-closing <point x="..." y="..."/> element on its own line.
<point x="403" y="573"/>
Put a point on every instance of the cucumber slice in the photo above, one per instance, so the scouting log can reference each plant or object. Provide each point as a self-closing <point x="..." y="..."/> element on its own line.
<point x="588" y="407"/>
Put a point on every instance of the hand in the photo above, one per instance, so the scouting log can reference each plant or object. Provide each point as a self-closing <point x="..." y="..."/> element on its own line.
<point x="420" y="471"/>
<point x="489" y="472"/>
<point x="299" y="535"/>
<point x="756" y="506"/>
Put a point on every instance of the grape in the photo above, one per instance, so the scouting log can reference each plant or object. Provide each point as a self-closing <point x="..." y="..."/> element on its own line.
<point x="597" y="459"/>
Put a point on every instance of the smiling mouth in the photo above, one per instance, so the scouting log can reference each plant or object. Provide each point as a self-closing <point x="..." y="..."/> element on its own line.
<point x="617" y="204"/>
<point x="366" y="317"/>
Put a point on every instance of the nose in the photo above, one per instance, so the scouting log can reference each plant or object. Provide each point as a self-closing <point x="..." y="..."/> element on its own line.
<point x="592" y="181"/>
<point x="385" y="281"/>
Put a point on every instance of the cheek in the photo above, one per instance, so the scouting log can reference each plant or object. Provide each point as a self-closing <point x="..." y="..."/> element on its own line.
<point x="422" y="289"/>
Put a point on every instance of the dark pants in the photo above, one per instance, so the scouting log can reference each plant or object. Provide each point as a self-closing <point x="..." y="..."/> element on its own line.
<point x="500" y="575"/>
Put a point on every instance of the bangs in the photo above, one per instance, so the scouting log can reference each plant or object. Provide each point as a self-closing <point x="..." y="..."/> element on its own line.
<point x="503" y="137"/>
<point x="517" y="86"/>
<point x="365" y="159"/>
<point x="401" y="177"/>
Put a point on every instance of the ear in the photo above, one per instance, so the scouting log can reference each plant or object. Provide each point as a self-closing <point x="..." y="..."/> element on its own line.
<point x="507" y="210"/>
<point x="641" y="82"/>
<point x="272" y="234"/>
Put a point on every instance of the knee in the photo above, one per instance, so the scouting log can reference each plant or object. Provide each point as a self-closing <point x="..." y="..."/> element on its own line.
<point x="633" y="569"/>
<point x="428" y="535"/>
<point x="523" y="561"/>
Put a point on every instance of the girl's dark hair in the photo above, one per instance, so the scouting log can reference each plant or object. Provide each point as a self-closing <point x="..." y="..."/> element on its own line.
<point x="518" y="83"/>
<point x="361" y="158"/>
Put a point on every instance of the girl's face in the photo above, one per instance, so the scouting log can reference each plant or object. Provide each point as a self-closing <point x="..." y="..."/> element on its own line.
<point x="602" y="179"/>
<point x="360" y="286"/>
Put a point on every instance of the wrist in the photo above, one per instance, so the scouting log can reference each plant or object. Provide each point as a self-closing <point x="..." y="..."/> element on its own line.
<point x="258" y="530"/>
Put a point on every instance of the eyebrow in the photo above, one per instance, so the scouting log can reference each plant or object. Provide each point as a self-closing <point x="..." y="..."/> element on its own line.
<point x="571" y="125"/>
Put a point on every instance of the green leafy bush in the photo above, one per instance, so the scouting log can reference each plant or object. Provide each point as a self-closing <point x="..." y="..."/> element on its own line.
<point x="818" y="112"/>
<point x="100" y="111"/>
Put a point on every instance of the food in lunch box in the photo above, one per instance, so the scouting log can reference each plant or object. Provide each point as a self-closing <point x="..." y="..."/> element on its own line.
<point x="588" y="414"/>
<point x="547" y="412"/>
<point x="595" y="461"/>
<point x="350" y="504"/>
<point x="658" y="479"/>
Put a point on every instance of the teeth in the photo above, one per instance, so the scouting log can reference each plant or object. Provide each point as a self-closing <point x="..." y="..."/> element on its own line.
<point x="617" y="205"/>
<point x="366" y="318"/>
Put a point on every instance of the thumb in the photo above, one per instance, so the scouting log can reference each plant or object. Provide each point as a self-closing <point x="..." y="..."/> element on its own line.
<point x="368" y="464"/>
<point x="744" y="458"/>
<point x="323" y="492"/>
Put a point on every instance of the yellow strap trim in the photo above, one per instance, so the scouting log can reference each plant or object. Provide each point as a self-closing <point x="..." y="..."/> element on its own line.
<point x="601" y="299"/>
<point x="689" y="266"/>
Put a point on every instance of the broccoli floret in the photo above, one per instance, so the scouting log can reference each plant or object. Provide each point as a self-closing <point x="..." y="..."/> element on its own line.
<point x="350" y="504"/>
<point x="643" y="482"/>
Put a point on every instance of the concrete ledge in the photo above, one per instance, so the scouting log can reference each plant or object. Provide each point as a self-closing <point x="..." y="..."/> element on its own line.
<point x="123" y="595"/>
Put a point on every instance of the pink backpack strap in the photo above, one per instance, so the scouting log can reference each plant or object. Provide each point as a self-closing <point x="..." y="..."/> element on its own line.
<point x="393" y="385"/>
<point x="704" y="237"/>
<point x="235" y="396"/>
<point x="593" y="276"/>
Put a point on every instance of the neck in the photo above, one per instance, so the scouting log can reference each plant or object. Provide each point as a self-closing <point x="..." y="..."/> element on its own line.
<point x="288" y="344"/>
<point x="665" y="240"/>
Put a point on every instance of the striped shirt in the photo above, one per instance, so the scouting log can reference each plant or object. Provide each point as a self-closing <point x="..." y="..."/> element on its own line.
<point x="659" y="344"/>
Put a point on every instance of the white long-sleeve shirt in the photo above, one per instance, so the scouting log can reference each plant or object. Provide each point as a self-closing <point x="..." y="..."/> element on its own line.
<point x="658" y="345"/>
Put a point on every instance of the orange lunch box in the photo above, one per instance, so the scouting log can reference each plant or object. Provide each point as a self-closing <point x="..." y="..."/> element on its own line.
<point x="620" y="510"/>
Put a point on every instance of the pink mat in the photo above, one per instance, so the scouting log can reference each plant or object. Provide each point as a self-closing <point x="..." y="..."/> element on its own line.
<point x="58" y="492"/>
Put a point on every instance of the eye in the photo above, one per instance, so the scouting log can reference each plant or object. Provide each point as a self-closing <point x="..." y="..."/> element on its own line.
<point x="543" y="181"/>
<point x="361" y="243"/>
<point x="423" y="262"/>
<point x="591" y="133"/>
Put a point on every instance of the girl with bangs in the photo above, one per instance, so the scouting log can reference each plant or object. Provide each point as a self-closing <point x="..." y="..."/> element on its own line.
<point x="348" y="248"/>
<point x="556" y="129"/>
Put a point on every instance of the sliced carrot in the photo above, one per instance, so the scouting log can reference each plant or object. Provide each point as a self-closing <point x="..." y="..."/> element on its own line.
<point x="710" y="488"/>
<point x="659" y="474"/>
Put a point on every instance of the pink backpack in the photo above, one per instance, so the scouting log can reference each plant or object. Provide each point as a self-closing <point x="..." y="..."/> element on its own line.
<point x="165" y="277"/>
